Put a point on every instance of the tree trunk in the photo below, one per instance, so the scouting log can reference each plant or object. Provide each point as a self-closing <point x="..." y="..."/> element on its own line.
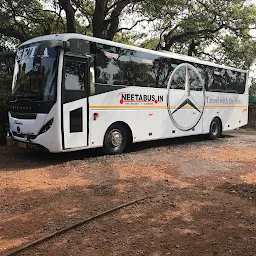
<point x="70" y="15"/>
<point x="114" y="19"/>
<point x="107" y="28"/>
<point x="12" y="32"/>
<point x="98" y="18"/>
<point x="192" y="48"/>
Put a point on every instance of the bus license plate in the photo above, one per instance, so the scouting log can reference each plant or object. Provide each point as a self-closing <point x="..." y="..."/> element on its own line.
<point x="21" y="145"/>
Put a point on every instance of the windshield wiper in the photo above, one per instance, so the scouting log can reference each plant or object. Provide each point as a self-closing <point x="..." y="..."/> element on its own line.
<point x="23" y="97"/>
<point x="20" y="97"/>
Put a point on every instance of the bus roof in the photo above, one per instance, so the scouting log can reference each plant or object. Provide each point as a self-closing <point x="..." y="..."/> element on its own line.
<point x="67" y="36"/>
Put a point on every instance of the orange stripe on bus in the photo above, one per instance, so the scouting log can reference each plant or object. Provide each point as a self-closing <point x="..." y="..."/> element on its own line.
<point x="107" y="107"/>
<point x="162" y="107"/>
<point x="225" y="107"/>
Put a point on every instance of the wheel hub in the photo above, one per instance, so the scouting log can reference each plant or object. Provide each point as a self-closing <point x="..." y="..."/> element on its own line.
<point x="116" y="138"/>
<point x="215" y="128"/>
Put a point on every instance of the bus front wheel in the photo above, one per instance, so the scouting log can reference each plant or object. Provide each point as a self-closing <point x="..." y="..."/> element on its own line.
<point x="115" y="139"/>
<point x="215" y="129"/>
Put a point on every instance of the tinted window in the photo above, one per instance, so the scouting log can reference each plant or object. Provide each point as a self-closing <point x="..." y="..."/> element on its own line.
<point x="179" y="79"/>
<point x="119" y="66"/>
<point x="218" y="83"/>
<point x="123" y="67"/>
<point x="163" y="68"/>
<point x="101" y="67"/>
<point x="74" y="75"/>
<point x="236" y="81"/>
<point x="79" y="46"/>
<point x="142" y="69"/>
<point x="112" y="65"/>
<point x="224" y="80"/>
<point x="194" y="80"/>
<point x="76" y="120"/>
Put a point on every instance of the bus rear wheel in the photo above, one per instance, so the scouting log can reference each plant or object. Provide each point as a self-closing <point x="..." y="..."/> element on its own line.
<point x="215" y="129"/>
<point x="115" y="139"/>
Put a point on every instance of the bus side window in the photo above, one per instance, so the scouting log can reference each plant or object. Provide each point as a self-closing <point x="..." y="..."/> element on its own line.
<point x="179" y="79"/>
<point x="74" y="75"/>
<point x="121" y="68"/>
<point x="142" y="69"/>
<point x="236" y="82"/>
<point x="194" y="81"/>
<point x="241" y="83"/>
<point x="218" y="82"/>
<point x="92" y="81"/>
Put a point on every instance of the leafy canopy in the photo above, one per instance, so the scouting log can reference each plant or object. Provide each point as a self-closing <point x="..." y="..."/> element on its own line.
<point x="216" y="30"/>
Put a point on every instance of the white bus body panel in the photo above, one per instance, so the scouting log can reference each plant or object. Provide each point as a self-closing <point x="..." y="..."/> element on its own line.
<point x="152" y="121"/>
<point x="75" y="139"/>
<point x="232" y="109"/>
<point x="51" y="139"/>
<point x="147" y="120"/>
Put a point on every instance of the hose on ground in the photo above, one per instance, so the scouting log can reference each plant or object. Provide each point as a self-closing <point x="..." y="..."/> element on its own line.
<point x="73" y="226"/>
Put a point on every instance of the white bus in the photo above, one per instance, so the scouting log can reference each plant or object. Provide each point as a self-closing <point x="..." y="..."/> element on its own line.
<point x="73" y="92"/>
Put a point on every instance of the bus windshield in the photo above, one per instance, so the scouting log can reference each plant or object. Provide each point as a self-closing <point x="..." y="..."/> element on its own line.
<point x="40" y="82"/>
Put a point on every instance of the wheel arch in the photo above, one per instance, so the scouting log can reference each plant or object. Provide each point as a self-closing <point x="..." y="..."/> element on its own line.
<point x="221" y="125"/>
<point x="127" y="128"/>
<point x="215" y="128"/>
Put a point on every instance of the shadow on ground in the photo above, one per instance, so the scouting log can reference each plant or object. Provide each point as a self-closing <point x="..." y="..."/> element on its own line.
<point x="16" y="158"/>
<point x="177" y="221"/>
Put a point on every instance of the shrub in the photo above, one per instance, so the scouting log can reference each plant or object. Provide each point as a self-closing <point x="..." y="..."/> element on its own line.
<point x="252" y="106"/>
<point x="5" y="91"/>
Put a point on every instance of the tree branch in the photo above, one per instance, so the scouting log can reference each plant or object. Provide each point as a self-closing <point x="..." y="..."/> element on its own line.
<point x="135" y="24"/>
<point x="189" y="34"/>
<point x="12" y="32"/>
<point x="209" y="55"/>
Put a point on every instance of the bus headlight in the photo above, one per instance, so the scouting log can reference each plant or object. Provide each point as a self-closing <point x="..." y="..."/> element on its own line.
<point x="46" y="127"/>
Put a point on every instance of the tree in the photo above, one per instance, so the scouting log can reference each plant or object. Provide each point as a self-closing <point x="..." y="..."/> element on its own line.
<point x="24" y="19"/>
<point x="191" y="26"/>
<point x="217" y="30"/>
<point x="233" y="52"/>
<point x="106" y="17"/>
<point x="101" y="16"/>
<point x="70" y="15"/>
<point x="252" y="89"/>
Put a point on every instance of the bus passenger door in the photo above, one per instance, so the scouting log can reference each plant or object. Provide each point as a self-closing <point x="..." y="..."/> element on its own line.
<point x="75" y="84"/>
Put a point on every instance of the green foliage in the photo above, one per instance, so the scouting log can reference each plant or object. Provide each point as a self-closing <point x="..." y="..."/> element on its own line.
<point x="5" y="91"/>
<point x="215" y="30"/>
<point x="126" y="38"/>
<point x="252" y="106"/>
<point x="4" y="94"/>
<point x="252" y="89"/>
<point x="150" y="44"/>
<point x="239" y="53"/>
<point x="21" y="20"/>
<point x="252" y="96"/>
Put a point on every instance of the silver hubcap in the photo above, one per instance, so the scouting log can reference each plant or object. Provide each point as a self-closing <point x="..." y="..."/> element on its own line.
<point x="115" y="138"/>
<point x="215" y="128"/>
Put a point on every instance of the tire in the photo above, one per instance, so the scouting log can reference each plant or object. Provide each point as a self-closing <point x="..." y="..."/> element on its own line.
<point x="215" y="129"/>
<point x="115" y="140"/>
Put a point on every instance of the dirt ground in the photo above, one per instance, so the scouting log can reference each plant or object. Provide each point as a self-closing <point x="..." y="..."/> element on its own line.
<point x="204" y="203"/>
